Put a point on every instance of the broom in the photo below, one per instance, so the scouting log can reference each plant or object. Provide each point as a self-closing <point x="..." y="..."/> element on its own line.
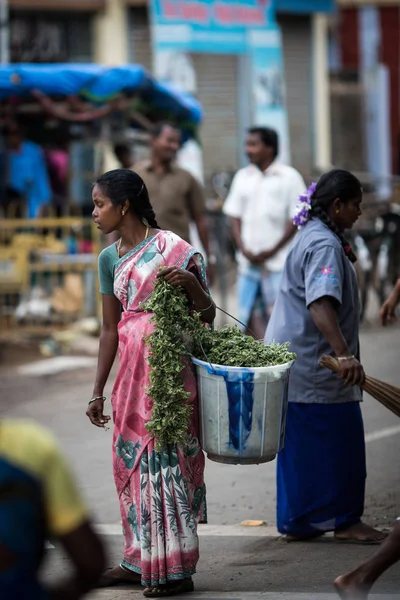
<point x="386" y="394"/>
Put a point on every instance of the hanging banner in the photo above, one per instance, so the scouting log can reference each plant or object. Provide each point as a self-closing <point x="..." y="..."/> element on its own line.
<point x="209" y="26"/>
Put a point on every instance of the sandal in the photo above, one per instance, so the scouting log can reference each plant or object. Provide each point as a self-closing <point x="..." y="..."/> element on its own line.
<point x="183" y="586"/>
<point x="108" y="580"/>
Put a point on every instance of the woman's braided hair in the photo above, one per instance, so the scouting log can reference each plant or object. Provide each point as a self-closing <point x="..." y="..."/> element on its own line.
<point x="335" y="184"/>
<point x="121" y="185"/>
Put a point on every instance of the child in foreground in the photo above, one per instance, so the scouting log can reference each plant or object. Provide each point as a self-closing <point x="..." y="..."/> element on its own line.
<point x="39" y="500"/>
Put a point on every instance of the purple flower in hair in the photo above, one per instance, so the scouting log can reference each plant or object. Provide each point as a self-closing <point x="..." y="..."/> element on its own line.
<point x="303" y="207"/>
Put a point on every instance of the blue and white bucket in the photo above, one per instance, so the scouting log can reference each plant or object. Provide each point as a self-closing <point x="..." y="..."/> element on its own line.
<point x="242" y="411"/>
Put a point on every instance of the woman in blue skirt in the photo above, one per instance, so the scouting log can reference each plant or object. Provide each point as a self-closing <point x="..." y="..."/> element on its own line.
<point x="321" y="471"/>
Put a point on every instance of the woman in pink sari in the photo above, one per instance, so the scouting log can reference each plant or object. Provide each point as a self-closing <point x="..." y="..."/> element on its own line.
<point x="161" y="494"/>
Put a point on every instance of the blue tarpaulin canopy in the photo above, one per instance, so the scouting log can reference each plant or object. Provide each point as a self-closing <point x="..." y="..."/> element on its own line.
<point x="98" y="84"/>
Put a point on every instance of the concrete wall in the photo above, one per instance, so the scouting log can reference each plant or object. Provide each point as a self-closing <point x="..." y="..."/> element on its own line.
<point x="111" y="34"/>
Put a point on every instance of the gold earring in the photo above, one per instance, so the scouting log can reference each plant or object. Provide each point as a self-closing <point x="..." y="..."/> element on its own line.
<point x="123" y="212"/>
<point x="337" y="211"/>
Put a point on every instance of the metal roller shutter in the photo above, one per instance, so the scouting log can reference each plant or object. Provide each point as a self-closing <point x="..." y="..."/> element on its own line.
<point x="139" y="33"/>
<point x="296" y="35"/>
<point x="217" y="91"/>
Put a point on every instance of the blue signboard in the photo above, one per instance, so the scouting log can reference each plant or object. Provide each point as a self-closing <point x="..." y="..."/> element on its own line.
<point x="304" y="6"/>
<point x="209" y="26"/>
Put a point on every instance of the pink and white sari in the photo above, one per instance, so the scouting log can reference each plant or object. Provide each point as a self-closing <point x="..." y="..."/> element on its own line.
<point x="162" y="494"/>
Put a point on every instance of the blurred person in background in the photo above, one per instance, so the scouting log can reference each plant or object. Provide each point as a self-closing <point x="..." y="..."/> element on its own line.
<point x="39" y="499"/>
<point x="388" y="310"/>
<point x="124" y="154"/>
<point x="176" y="196"/>
<point x="26" y="171"/>
<point x="57" y="161"/>
<point x="261" y="203"/>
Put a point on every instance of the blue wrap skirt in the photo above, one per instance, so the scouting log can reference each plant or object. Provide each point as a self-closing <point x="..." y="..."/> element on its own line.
<point x="321" y="472"/>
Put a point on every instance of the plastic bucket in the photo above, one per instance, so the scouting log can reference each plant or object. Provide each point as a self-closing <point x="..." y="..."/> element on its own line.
<point x="242" y="411"/>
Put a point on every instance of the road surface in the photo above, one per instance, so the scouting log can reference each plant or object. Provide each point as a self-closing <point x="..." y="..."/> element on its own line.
<point x="236" y="562"/>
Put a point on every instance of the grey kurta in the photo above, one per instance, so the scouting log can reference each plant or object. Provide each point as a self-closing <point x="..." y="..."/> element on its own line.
<point x="316" y="266"/>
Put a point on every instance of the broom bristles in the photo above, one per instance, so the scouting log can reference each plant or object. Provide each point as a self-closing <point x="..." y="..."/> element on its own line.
<point x="386" y="394"/>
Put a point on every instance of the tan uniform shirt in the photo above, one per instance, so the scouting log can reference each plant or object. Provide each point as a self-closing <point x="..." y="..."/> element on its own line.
<point x="176" y="196"/>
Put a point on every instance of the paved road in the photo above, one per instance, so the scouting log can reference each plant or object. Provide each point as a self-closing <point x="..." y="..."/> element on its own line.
<point x="234" y="559"/>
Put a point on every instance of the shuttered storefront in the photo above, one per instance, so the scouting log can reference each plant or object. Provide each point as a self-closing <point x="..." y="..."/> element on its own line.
<point x="218" y="92"/>
<point x="139" y="37"/>
<point x="217" y="83"/>
<point x="296" y="35"/>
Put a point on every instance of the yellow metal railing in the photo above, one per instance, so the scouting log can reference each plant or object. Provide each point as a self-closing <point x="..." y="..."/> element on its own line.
<point x="48" y="271"/>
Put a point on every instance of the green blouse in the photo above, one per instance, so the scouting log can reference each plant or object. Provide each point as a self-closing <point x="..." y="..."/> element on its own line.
<point x="108" y="259"/>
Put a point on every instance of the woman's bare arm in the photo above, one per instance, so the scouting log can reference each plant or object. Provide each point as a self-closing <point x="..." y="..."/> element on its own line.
<point x="107" y="351"/>
<point x="108" y="341"/>
<point x="325" y="318"/>
<point x="201" y="301"/>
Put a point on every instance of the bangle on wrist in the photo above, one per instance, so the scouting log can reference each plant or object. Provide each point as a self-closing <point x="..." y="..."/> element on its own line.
<point x="97" y="398"/>
<point x="202" y="310"/>
<point x="342" y="358"/>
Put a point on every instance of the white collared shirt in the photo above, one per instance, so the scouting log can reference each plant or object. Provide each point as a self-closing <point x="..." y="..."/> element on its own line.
<point x="264" y="202"/>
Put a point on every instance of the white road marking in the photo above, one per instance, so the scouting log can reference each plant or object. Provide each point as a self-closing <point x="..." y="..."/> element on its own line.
<point x="133" y="594"/>
<point x="382" y="433"/>
<point x="207" y="530"/>
<point x="237" y="530"/>
<point x="58" y="364"/>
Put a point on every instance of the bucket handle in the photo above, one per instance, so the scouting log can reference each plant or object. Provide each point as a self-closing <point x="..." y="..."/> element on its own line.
<point x="206" y="357"/>
<point x="237" y="320"/>
<point x="232" y="317"/>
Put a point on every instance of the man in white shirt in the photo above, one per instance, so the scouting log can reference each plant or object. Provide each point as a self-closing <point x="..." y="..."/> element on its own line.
<point x="261" y="204"/>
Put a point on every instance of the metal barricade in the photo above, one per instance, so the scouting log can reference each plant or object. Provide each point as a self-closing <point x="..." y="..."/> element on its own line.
<point x="48" y="272"/>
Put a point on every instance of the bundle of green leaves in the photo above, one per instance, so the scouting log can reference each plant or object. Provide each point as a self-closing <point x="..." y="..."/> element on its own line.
<point x="178" y="335"/>
<point x="169" y="354"/>
<point x="228" y="346"/>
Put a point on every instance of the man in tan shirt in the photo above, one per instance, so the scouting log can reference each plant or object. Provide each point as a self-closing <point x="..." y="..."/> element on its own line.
<point x="176" y="196"/>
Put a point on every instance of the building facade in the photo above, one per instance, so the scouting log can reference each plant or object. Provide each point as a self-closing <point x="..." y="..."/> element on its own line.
<point x="368" y="36"/>
<point x="43" y="31"/>
<point x="223" y="87"/>
<point x="118" y="31"/>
